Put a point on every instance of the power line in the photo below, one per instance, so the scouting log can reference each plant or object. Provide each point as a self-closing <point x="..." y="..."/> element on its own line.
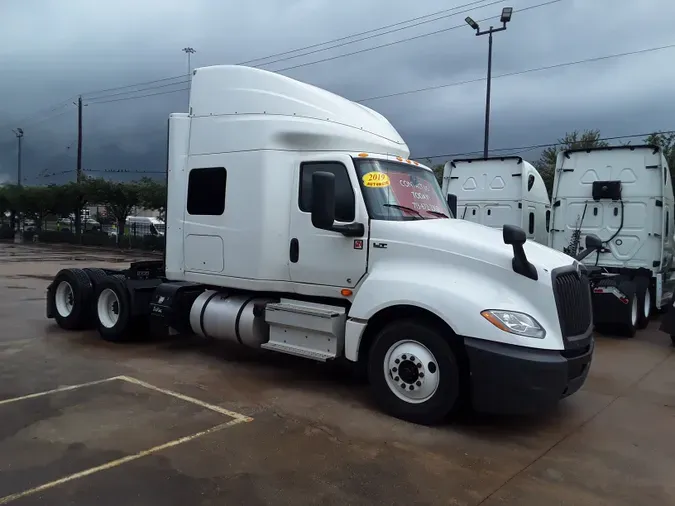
<point x="538" y="146"/>
<point x="97" y="92"/>
<point x="550" y="2"/>
<point x="340" y="39"/>
<point x="341" y="44"/>
<point x="185" y="81"/>
<point x="400" y="41"/>
<point x="182" y="76"/>
<point x="140" y="96"/>
<point x="38" y="115"/>
<point x="143" y="83"/>
<point x="508" y="74"/>
<point x="479" y="79"/>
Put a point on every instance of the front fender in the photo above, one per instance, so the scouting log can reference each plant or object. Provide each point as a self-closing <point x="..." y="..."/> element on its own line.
<point x="457" y="295"/>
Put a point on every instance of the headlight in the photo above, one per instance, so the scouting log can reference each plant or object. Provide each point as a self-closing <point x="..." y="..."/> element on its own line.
<point x="514" y="322"/>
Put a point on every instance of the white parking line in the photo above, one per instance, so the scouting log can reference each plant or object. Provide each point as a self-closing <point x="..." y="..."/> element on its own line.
<point x="186" y="398"/>
<point x="119" y="462"/>
<point x="237" y="418"/>
<point x="56" y="390"/>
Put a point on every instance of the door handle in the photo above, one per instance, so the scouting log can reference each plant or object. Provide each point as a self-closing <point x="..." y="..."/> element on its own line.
<point x="294" y="252"/>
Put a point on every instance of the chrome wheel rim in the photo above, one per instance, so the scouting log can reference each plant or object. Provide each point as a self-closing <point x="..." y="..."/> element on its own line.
<point x="108" y="308"/>
<point x="634" y="311"/>
<point x="411" y="371"/>
<point x="64" y="299"/>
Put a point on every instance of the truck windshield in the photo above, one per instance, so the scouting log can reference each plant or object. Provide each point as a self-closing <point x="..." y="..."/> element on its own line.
<point x="400" y="191"/>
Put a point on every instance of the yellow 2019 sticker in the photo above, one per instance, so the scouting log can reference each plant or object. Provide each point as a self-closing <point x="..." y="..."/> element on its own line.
<point x="376" y="180"/>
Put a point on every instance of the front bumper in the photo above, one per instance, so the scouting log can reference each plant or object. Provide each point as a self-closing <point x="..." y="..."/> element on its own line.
<point x="509" y="379"/>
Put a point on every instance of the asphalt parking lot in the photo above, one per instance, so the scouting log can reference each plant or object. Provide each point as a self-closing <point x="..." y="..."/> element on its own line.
<point x="83" y="421"/>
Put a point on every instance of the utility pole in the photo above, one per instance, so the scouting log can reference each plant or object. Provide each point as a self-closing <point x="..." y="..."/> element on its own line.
<point x="79" y="139"/>
<point x="507" y="12"/>
<point x="189" y="51"/>
<point x="78" y="169"/>
<point x="19" y="135"/>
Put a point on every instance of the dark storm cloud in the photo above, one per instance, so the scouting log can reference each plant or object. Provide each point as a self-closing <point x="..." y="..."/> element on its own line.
<point x="51" y="49"/>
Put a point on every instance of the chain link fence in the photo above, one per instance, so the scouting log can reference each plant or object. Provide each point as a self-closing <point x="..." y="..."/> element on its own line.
<point x="142" y="235"/>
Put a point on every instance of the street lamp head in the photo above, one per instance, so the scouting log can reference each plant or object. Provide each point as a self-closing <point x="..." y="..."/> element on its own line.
<point x="507" y="12"/>
<point x="471" y="23"/>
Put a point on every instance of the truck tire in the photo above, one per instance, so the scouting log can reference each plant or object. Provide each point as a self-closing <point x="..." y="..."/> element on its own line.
<point x="413" y="372"/>
<point x="113" y="309"/>
<point x="644" y="300"/>
<point x="95" y="275"/>
<point x="71" y="299"/>
<point x="628" y="326"/>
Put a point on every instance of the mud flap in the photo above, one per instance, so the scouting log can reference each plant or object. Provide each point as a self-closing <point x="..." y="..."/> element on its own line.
<point x="51" y="310"/>
<point x="611" y="298"/>
<point x="668" y="321"/>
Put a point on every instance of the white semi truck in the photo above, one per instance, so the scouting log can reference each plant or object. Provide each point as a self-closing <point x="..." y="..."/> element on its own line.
<point x="500" y="191"/>
<point x="296" y="223"/>
<point x="624" y="196"/>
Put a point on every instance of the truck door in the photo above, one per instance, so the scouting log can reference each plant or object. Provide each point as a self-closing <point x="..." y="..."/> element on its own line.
<point x="324" y="257"/>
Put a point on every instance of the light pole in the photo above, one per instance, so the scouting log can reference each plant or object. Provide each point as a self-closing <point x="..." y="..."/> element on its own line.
<point x="505" y="18"/>
<point x="19" y="135"/>
<point x="189" y="51"/>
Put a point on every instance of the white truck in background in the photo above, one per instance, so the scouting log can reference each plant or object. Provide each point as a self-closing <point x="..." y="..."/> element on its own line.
<point x="144" y="225"/>
<point x="296" y="223"/>
<point x="500" y="191"/>
<point x="624" y="196"/>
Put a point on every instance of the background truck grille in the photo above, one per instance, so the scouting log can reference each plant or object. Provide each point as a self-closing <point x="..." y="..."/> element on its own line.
<point x="573" y="299"/>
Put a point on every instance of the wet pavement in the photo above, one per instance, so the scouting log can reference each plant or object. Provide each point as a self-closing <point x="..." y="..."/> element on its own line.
<point x="186" y="422"/>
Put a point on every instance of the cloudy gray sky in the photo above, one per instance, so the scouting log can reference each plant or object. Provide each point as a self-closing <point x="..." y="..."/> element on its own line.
<point x="51" y="50"/>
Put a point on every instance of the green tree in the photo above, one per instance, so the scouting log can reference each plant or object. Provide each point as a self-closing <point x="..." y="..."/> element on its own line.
<point x="37" y="202"/>
<point x="69" y="198"/>
<point x="572" y="140"/>
<point x="438" y="172"/>
<point x="118" y="198"/>
<point x="152" y="194"/>
<point x="665" y="141"/>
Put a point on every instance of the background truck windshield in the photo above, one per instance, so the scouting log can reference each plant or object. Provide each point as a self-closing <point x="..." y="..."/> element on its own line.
<point x="400" y="191"/>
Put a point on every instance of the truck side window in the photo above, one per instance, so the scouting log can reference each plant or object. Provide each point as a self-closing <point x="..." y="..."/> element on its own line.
<point x="548" y="220"/>
<point x="531" y="223"/>
<point x="667" y="221"/>
<point x="206" y="191"/>
<point x="345" y="202"/>
<point x="530" y="182"/>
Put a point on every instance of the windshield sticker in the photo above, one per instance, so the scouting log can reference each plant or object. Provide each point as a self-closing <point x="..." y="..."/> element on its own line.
<point x="376" y="180"/>
<point x="416" y="193"/>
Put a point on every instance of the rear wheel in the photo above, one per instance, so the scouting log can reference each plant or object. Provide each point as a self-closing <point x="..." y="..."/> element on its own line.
<point x="414" y="373"/>
<point x="632" y="310"/>
<point x="71" y="299"/>
<point x="644" y="302"/>
<point x="113" y="309"/>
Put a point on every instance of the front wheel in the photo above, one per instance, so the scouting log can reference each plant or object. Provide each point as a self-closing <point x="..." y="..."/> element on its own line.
<point x="414" y="373"/>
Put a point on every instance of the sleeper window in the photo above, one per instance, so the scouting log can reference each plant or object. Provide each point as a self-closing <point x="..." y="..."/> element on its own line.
<point x="345" y="201"/>
<point x="531" y="223"/>
<point x="206" y="191"/>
